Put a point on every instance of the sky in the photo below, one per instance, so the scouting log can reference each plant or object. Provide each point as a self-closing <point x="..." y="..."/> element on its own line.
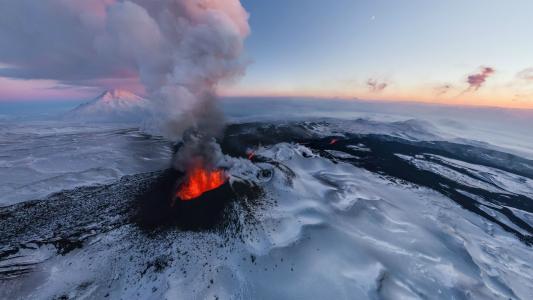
<point x="473" y="52"/>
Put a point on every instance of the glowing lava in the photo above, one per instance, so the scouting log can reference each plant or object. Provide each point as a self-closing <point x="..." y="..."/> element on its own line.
<point x="251" y="155"/>
<point x="199" y="181"/>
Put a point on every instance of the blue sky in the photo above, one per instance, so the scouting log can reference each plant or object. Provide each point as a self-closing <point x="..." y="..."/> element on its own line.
<point x="326" y="46"/>
<point x="463" y="52"/>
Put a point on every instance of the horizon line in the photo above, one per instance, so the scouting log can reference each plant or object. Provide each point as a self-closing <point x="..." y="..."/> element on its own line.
<point x="296" y="97"/>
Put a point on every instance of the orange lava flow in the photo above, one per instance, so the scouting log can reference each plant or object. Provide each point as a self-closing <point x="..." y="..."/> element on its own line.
<point x="199" y="181"/>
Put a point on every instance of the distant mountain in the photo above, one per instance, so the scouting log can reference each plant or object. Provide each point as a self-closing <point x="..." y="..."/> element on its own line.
<point x="111" y="106"/>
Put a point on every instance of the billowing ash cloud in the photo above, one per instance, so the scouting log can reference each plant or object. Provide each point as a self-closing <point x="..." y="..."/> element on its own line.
<point x="526" y="74"/>
<point x="376" y="86"/>
<point x="178" y="49"/>
<point x="477" y="80"/>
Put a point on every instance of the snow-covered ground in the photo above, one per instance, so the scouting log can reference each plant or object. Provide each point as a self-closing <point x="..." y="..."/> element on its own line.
<point x="348" y="213"/>
<point x="39" y="158"/>
<point x="64" y="149"/>
<point x="500" y="127"/>
<point x="335" y="232"/>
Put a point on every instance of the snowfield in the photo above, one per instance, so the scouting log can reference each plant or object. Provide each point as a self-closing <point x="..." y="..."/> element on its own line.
<point x="349" y="209"/>
<point x="40" y="158"/>
<point x="336" y="231"/>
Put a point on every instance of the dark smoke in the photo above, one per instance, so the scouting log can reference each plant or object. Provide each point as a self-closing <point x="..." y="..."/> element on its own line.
<point x="376" y="86"/>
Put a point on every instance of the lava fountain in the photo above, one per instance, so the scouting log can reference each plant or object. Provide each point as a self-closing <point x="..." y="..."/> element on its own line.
<point x="198" y="181"/>
<point x="196" y="193"/>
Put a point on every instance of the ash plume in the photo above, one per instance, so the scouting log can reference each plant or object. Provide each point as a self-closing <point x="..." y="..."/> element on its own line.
<point x="476" y="81"/>
<point x="178" y="50"/>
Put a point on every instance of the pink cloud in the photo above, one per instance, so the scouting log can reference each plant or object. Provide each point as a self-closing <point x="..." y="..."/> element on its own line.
<point x="165" y="42"/>
<point x="21" y="90"/>
<point x="477" y="80"/>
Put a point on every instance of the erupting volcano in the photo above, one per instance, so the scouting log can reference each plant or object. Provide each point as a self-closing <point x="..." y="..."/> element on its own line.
<point x="200" y="180"/>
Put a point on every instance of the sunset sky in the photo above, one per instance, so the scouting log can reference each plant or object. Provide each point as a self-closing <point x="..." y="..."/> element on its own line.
<point x="475" y="52"/>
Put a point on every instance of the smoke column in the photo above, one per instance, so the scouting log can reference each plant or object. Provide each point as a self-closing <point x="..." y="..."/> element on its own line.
<point x="179" y="50"/>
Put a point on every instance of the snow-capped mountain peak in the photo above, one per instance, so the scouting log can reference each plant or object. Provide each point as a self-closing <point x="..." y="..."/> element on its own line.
<point x="114" y="105"/>
<point x="117" y="94"/>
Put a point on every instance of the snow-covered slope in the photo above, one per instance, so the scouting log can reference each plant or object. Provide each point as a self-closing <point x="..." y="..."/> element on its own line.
<point x="368" y="216"/>
<point x="111" y="106"/>
<point x="335" y="231"/>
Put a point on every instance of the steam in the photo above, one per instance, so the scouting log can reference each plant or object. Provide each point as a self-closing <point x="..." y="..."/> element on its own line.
<point x="178" y="50"/>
